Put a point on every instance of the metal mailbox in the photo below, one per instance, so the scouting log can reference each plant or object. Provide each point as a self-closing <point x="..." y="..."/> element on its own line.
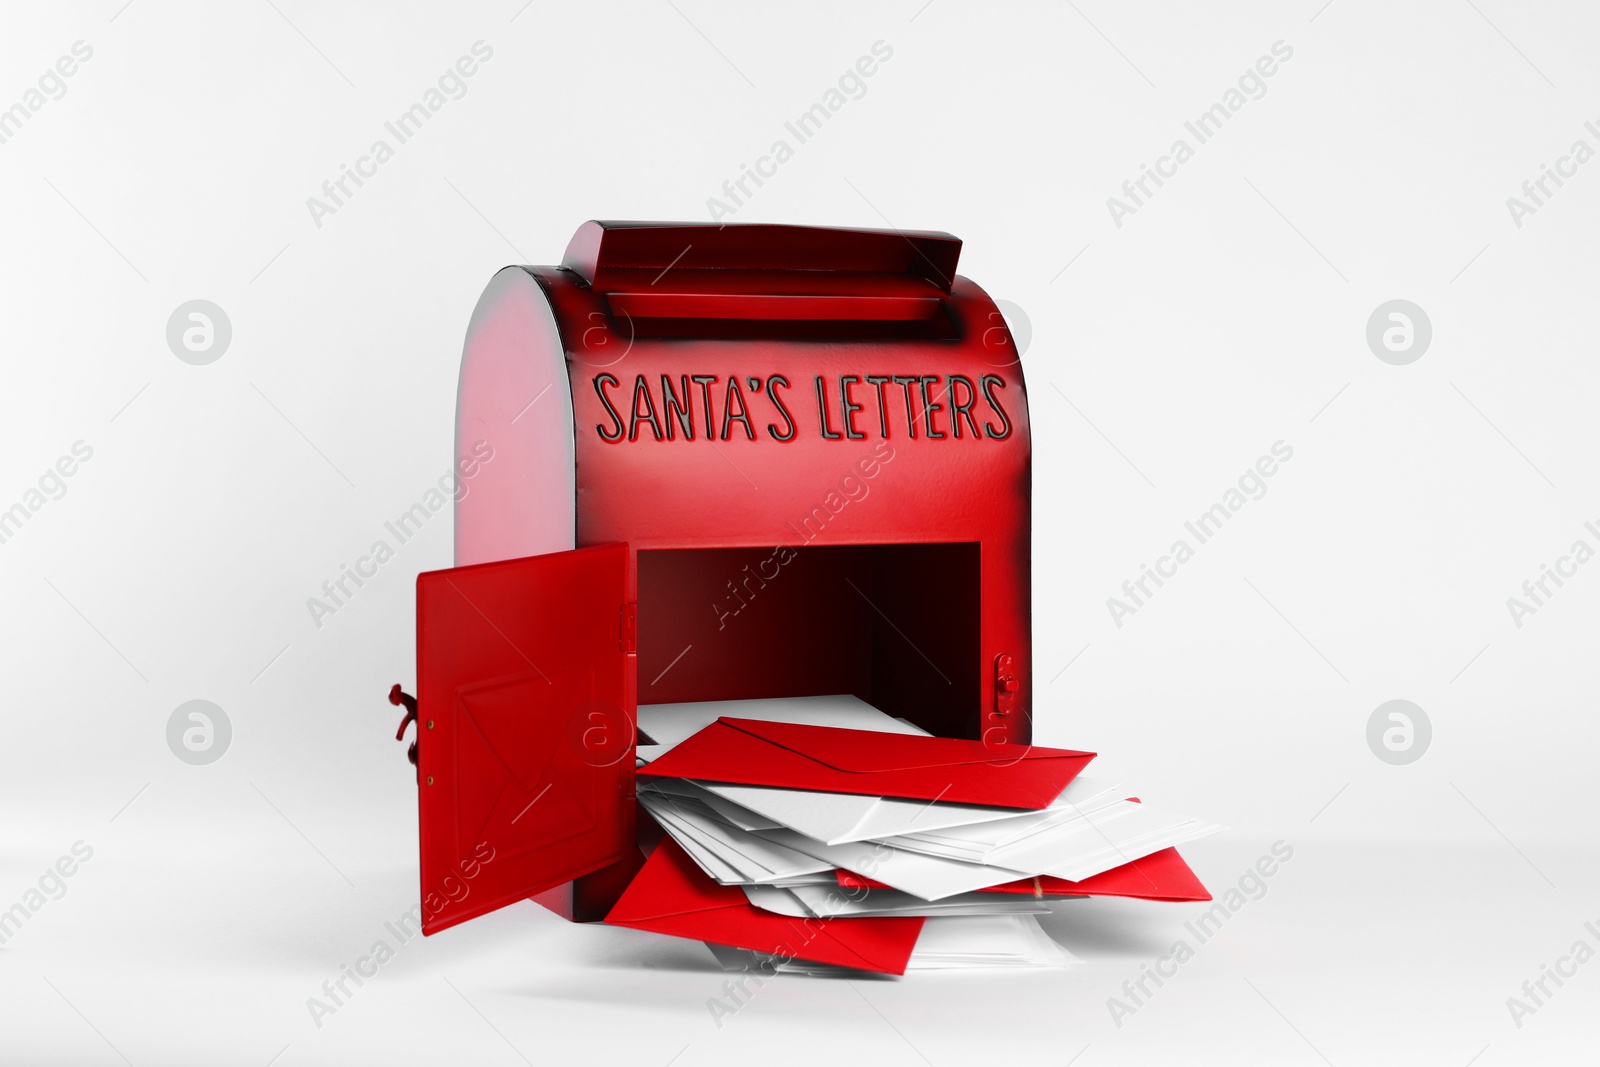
<point x="728" y="462"/>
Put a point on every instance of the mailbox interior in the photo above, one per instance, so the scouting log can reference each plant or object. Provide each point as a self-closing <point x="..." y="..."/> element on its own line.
<point x="895" y="625"/>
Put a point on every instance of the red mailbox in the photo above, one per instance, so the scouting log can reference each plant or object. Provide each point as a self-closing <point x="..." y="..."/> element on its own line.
<point x="728" y="462"/>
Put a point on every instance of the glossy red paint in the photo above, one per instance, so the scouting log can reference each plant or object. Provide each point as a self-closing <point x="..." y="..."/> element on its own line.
<point x="813" y="447"/>
<point x="524" y="768"/>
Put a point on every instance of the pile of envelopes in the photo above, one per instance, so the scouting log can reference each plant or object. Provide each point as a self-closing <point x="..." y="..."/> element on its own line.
<point x="821" y="835"/>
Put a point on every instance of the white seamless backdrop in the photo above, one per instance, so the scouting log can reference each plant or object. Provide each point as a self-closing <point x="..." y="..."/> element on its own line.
<point x="1177" y="332"/>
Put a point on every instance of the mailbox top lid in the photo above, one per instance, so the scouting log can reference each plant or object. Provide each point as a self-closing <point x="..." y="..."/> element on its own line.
<point x="604" y="245"/>
<point x="680" y="270"/>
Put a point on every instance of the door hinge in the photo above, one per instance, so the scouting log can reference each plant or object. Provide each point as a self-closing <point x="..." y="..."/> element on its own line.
<point x="628" y="628"/>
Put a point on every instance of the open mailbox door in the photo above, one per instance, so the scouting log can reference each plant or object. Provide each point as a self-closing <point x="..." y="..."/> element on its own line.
<point x="525" y="727"/>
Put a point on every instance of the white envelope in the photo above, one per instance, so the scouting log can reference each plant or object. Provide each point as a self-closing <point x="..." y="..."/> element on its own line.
<point x="1008" y="941"/>
<point x="727" y="810"/>
<point x="822" y="878"/>
<point x="1110" y="837"/>
<point x="928" y="877"/>
<point x="669" y="724"/>
<point x="729" y="849"/>
<point x="703" y="856"/>
<point x="1003" y="942"/>
<point x="1111" y="827"/>
<point x="1131" y="834"/>
<point x="840" y="818"/>
<point x="824" y="902"/>
<point x="975" y="841"/>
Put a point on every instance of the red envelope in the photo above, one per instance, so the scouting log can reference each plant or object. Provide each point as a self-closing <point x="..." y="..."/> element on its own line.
<point x="833" y="760"/>
<point x="672" y="895"/>
<point x="1160" y="876"/>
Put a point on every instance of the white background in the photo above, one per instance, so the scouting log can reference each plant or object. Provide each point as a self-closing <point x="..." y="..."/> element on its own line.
<point x="1227" y="314"/>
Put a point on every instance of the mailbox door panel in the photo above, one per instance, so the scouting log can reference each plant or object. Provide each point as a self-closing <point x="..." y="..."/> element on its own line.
<point x="525" y="727"/>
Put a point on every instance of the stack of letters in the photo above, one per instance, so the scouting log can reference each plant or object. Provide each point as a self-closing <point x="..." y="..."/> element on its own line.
<point x="822" y="835"/>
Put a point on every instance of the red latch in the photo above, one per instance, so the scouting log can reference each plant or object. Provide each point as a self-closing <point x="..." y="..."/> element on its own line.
<point x="1005" y="684"/>
<point x="398" y="697"/>
<point x="628" y="628"/>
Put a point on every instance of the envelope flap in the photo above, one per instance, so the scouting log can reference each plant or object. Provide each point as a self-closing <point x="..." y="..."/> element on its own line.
<point x="872" y="752"/>
<point x="671" y="895"/>
<point x="1162" y="876"/>
<point x="883" y="947"/>
<point x="670" y="885"/>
